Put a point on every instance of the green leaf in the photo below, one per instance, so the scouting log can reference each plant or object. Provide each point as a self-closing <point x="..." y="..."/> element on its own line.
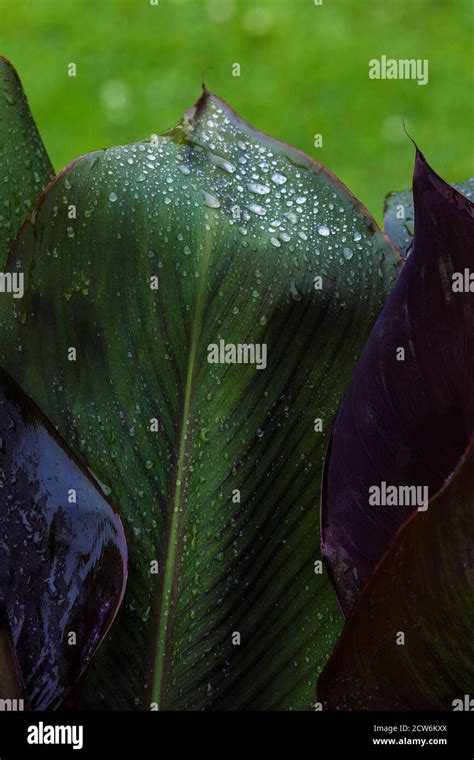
<point x="422" y="588"/>
<point x="222" y="491"/>
<point x="401" y="230"/>
<point x="25" y="168"/>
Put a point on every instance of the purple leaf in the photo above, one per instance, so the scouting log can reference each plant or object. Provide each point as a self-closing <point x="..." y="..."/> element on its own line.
<point x="408" y="643"/>
<point x="63" y="552"/>
<point x="407" y="415"/>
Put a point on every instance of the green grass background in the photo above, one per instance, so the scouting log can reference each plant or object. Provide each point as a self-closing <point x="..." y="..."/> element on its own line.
<point x="304" y="70"/>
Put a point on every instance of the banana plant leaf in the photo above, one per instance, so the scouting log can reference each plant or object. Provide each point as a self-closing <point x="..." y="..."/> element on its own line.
<point x="408" y="413"/>
<point x="399" y="215"/>
<point x="154" y="262"/>
<point x="409" y="642"/>
<point x="62" y="557"/>
<point x="25" y="168"/>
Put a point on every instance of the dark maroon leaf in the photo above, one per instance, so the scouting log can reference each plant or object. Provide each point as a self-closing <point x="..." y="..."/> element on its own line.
<point x="409" y="641"/>
<point x="404" y="422"/>
<point x="12" y="688"/>
<point x="62" y="562"/>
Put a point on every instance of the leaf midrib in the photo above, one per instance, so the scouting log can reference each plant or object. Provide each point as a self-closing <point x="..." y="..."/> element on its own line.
<point x="166" y="606"/>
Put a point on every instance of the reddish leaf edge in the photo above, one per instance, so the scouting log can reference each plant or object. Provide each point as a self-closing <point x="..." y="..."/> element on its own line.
<point x="397" y="537"/>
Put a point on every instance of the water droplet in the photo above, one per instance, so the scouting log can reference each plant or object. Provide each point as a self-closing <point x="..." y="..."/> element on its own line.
<point x="278" y="178"/>
<point x="257" y="209"/>
<point x="323" y="230"/>
<point x="348" y="254"/>
<point x="275" y="242"/>
<point x="257" y="188"/>
<point x="259" y="433"/>
<point x="223" y="163"/>
<point x="113" y="197"/>
<point x="211" y="200"/>
<point x="357" y="236"/>
<point x="295" y="293"/>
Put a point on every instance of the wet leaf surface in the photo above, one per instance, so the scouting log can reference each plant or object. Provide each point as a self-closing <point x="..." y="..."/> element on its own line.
<point x="25" y="168"/>
<point x="210" y="232"/>
<point x="62" y="558"/>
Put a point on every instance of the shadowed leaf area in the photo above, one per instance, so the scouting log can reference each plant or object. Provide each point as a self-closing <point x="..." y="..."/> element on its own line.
<point x="210" y="232"/>
<point x="62" y="559"/>
<point x="408" y="412"/>
<point x="25" y="168"/>
<point x="422" y="589"/>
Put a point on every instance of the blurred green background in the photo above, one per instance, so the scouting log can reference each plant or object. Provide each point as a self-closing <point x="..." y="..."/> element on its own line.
<point x="304" y="70"/>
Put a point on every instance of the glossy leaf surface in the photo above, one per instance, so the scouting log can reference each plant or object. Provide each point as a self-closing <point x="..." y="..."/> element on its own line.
<point x="210" y="232"/>
<point x="25" y="168"/>
<point x="63" y="554"/>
